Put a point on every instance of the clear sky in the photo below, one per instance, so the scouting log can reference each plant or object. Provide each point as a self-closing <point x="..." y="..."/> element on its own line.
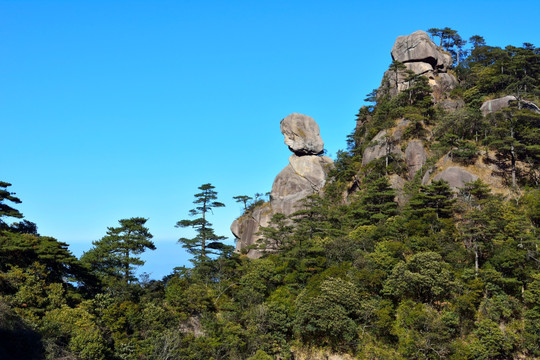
<point x="116" y="109"/>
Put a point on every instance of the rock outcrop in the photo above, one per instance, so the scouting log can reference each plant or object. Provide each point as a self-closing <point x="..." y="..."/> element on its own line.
<point x="415" y="156"/>
<point x="498" y="104"/>
<point x="456" y="177"/>
<point x="390" y="143"/>
<point x="382" y="144"/>
<point x="302" y="135"/>
<point x="305" y="175"/>
<point x="421" y="56"/>
<point x="418" y="47"/>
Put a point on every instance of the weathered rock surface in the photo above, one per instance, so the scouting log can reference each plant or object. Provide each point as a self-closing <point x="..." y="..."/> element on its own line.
<point x="398" y="183"/>
<point x="456" y="177"/>
<point x="382" y="144"/>
<point x="420" y="55"/>
<point x="418" y="47"/>
<point x="451" y="104"/>
<point x="399" y="130"/>
<point x="498" y="104"/>
<point x="419" y="68"/>
<point x="415" y="156"/>
<point x="446" y="81"/>
<point x="303" y="176"/>
<point x="245" y="228"/>
<point x="302" y="134"/>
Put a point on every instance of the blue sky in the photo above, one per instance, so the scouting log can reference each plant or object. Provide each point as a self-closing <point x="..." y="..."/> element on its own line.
<point x="115" y="109"/>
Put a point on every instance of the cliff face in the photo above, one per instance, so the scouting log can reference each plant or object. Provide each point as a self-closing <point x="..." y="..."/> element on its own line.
<point x="305" y="175"/>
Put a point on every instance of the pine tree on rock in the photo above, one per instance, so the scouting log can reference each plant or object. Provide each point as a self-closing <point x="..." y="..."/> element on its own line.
<point x="206" y="241"/>
<point x="243" y="199"/>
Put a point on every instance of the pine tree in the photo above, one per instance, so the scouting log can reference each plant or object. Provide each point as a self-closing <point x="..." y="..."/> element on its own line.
<point x="507" y="140"/>
<point x="277" y="234"/>
<point x="475" y="222"/>
<point x="206" y="241"/>
<point x="243" y="199"/>
<point x="5" y="209"/>
<point x="396" y="68"/>
<point x="435" y="198"/>
<point x="378" y="200"/>
<point x="112" y="257"/>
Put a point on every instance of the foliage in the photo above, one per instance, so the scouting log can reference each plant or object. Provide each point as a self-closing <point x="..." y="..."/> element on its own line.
<point x="206" y="242"/>
<point x="113" y="257"/>
<point x="5" y="209"/>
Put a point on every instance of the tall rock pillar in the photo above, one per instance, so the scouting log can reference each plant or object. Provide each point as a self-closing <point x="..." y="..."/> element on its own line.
<point x="305" y="175"/>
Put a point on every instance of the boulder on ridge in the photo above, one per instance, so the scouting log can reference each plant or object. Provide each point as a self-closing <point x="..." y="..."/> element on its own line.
<point x="421" y="56"/>
<point x="302" y="134"/>
<point x="418" y="47"/>
<point x="498" y="104"/>
<point x="305" y="175"/>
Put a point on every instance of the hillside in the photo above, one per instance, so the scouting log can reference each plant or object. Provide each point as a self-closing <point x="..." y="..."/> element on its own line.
<point x="419" y="241"/>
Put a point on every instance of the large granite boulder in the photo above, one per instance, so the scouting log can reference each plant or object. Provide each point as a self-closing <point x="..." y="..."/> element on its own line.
<point x="302" y="134"/>
<point x="495" y="105"/>
<point x="305" y="175"/>
<point x="415" y="156"/>
<point x="456" y="177"/>
<point x="498" y="104"/>
<point x="421" y="56"/>
<point x="418" y="47"/>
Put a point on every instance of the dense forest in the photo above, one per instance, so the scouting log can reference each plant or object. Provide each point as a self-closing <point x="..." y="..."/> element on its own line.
<point x="356" y="274"/>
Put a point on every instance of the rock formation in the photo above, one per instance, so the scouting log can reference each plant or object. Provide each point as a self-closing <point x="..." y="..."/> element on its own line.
<point x="383" y="144"/>
<point x="302" y="135"/>
<point x="498" y="104"/>
<point x="456" y="177"/>
<point x="418" y="47"/>
<point x="415" y="156"/>
<point x="421" y="56"/>
<point x="389" y="143"/>
<point x="305" y="175"/>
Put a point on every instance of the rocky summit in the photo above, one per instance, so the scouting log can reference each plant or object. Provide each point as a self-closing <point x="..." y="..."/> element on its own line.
<point x="305" y="175"/>
<point x="418" y="49"/>
<point x="419" y="55"/>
